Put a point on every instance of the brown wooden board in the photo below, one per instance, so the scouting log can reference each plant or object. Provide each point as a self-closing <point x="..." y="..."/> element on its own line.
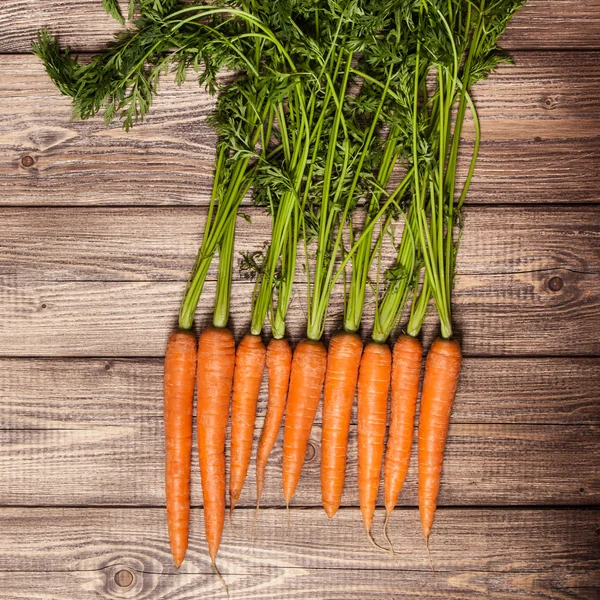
<point x="75" y="539"/>
<point x="146" y="244"/>
<point x="485" y="464"/>
<point x="268" y="583"/>
<point x="86" y="393"/>
<point x="508" y="314"/>
<point x="98" y="231"/>
<point x="88" y="553"/>
<point x="540" y="128"/>
<point x="86" y="27"/>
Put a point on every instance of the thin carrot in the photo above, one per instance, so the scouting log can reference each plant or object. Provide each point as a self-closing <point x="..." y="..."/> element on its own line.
<point x="249" y="367"/>
<point x="439" y="388"/>
<point x="216" y="360"/>
<point x="406" y="373"/>
<point x="179" y="380"/>
<point x="279" y="365"/>
<point x="343" y="361"/>
<point x="373" y="388"/>
<point x="306" y="384"/>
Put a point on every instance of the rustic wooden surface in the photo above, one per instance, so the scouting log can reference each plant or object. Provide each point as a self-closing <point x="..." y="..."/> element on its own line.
<point x="98" y="232"/>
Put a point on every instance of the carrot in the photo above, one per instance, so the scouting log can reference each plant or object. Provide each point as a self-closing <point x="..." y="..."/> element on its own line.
<point x="179" y="380"/>
<point x="439" y="388"/>
<point x="343" y="361"/>
<point x="249" y="367"/>
<point x="406" y="373"/>
<point x="279" y="365"/>
<point x="216" y="360"/>
<point x="306" y="384"/>
<point x="373" y="388"/>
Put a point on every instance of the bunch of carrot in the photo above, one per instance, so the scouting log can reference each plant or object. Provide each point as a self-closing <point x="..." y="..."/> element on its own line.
<point x="332" y="98"/>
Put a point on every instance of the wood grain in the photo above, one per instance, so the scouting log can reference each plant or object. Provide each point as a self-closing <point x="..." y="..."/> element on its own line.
<point x="508" y="314"/>
<point x="326" y="560"/>
<point x="541" y="24"/>
<point x="463" y="539"/>
<point x="540" y="128"/>
<point x="268" y="583"/>
<point x="145" y="244"/>
<point x="81" y="393"/>
<point x="485" y="465"/>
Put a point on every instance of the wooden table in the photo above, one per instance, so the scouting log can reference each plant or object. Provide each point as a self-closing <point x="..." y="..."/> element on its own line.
<point x="98" y="232"/>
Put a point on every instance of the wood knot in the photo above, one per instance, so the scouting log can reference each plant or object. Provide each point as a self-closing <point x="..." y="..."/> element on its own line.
<point x="555" y="284"/>
<point x="550" y="102"/>
<point x="27" y="161"/>
<point x="124" y="578"/>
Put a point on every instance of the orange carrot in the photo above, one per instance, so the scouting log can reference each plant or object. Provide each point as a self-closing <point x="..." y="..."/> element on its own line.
<point x="249" y="367"/>
<point x="406" y="373"/>
<point x="439" y="388"/>
<point x="216" y="361"/>
<point x="373" y="389"/>
<point x="279" y="365"/>
<point x="179" y="379"/>
<point x="306" y="384"/>
<point x="343" y="361"/>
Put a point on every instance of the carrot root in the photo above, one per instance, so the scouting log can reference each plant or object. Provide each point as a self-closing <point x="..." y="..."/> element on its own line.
<point x="343" y="361"/>
<point x="373" y="388"/>
<point x="306" y="384"/>
<point x="439" y="389"/>
<point x="279" y="364"/>
<point x="179" y="381"/>
<point x="216" y="361"/>
<point x="249" y="367"/>
<point x="406" y="374"/>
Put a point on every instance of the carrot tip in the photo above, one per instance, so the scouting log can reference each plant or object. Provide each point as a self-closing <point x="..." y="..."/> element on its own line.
<point x="387" y="537"/>
<point x="369" y="535"/>
<point x="330" y="510"/>
<point x="218" y="573"/>
<point x="429" y="554"/>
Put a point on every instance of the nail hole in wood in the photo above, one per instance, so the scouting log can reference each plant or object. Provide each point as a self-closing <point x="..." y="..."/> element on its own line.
<point x="598" y="531"/>
<point x="556" y="284"/>
<point x="27" y="162"/>
<point x="107" y="366"/>
<point x="124" y="578"/>
<point x="310" y="452"/>
<point x="538" y="139"/>
<point x="581" y="490"/>
<point x="43" y="306"/>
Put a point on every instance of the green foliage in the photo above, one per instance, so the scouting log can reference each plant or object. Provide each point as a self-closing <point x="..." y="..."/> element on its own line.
<point x="324" y="99"/>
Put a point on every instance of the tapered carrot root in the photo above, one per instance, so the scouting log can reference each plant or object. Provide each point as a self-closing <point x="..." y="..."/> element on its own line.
<point x="406" y="373"/>
<point x="373" y="389"/>
<point x="249" y="368"/>
<point x="216" y="361"/>
<point x="306" y="384"/>
<point x="279" y="365"/>
<point x="179" y="380"/>
<point x="439" y="388"/>
<point x="343" y="361"/>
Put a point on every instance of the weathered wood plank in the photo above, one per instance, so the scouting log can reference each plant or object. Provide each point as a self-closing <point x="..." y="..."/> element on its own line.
<point x="60" y="393"/>
<point x="469" y="540"/>
<point x="494" y="315"/>
<point x="267" y="583"/>
<point x="490" y="465"/>
<point x="541" y="24"/>
<point x="539" y="119"/>
<point x="127" y="244"/>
